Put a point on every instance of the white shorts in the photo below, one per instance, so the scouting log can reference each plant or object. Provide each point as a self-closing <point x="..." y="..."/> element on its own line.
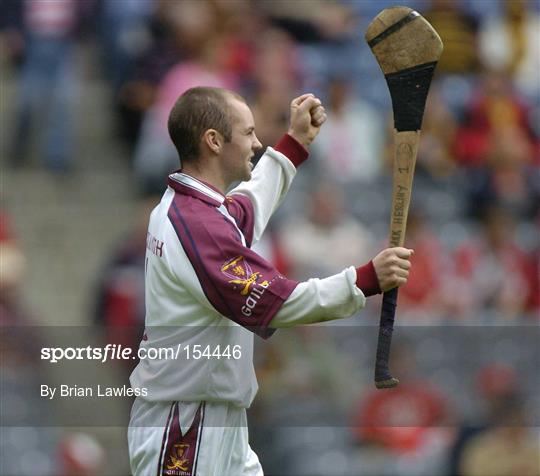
<point x="190" y="439"/>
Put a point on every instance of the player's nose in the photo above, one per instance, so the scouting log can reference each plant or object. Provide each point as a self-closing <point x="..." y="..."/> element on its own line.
<point x="257" y="144"/>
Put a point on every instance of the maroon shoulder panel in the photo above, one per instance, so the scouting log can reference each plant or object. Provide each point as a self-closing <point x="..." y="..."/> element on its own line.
<point x="239" y="283"/>
<point x="241" y="209"/>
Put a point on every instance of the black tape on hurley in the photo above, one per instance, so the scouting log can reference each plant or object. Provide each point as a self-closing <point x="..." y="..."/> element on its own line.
<point x="409" y="89"/>
<point x="383" y="378"/>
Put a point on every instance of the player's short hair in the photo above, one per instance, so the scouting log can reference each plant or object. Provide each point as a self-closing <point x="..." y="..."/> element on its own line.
<point x="196" y="111"/>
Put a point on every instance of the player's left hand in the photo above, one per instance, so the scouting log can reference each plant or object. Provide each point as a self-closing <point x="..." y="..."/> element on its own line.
<point x="307" y="117"/>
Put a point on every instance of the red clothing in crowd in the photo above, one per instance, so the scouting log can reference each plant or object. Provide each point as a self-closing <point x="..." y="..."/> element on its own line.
<point x="399" y="419"/>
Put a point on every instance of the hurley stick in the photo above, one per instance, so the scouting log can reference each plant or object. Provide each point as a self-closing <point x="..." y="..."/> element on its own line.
<point x="407" y="49"/>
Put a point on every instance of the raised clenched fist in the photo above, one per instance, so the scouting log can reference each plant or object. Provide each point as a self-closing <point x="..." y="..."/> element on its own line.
<point x="307" y="117"/>
<point x="392" y="267"/>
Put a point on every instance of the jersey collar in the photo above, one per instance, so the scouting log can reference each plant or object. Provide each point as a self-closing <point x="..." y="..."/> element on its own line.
<point x="188" y="185"/>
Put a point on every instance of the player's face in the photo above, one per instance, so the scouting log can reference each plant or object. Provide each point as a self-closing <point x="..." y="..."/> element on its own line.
<point x="239" y="151"/>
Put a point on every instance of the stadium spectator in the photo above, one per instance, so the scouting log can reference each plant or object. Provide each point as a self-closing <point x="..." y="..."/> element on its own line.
<point x="334" y="237"/>
<point x="504" y="450"/>
<point x="495" y="107"/>
<point x="270" y="110"/>
<point x="532" y="305"/>
<point x="503" y="443"/>
<point x="129" y="33"/>
<point x="277" y="74"/>
<point x="120" y="307"/>
<point x="322" y="22"/>
<point x="498" y="147"/>
<point x="327" y="38"/>
<point x="48" y="85"/>
<point x="351" y="148"/>
<point x="491" y="271"/>
<point x="409" y="424"/>
<point x="23" y="411"/>
<point x="509" y="43"/>
<point x="458" y="29"/>
<point x="421" y="299"/>
<point x="155" y="156"/>
<point x="496" y="384"/>
<point x="435" y="159"/>
<point x="80" y="454"/>
<point x="242" y="39"/>
<point x="124" y="29"/>
<point x="13" y="264"/>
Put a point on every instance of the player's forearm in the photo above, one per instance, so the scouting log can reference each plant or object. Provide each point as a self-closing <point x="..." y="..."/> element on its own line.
<point x="271" y="179"/>
<point x="319" y="300"/>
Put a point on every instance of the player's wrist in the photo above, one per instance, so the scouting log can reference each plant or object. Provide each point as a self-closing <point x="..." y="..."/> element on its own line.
<point x="300" y="137"/>
<point x="293" y="149"/>
<point x="367" y="280"/>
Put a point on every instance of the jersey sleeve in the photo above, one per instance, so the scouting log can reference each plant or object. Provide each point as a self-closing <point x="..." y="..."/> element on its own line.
<point x="319" y="300"/>
<point x="270" y="182"/>
<point x="238" y="283"/>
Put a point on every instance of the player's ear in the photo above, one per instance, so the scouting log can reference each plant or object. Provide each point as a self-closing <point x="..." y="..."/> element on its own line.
<point x="213" y="140"/>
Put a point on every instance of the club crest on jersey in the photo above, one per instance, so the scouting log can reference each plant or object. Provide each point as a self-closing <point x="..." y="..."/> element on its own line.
<point x="177" y="462"/>
<point x="241" y="276"/>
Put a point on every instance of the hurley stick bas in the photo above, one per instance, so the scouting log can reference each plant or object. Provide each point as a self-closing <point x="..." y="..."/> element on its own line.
<point x="407" y="49"/>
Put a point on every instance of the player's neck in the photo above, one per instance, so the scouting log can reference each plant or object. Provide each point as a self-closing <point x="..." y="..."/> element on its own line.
<point x="207" y="175"/>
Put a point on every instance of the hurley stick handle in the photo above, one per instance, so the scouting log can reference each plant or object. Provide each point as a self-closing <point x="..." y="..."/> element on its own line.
<point x="406" y="149"/>
<point x="405" y="152"/>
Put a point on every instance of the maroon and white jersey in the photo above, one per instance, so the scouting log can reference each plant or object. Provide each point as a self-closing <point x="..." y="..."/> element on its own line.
<point x="205" y="286"/>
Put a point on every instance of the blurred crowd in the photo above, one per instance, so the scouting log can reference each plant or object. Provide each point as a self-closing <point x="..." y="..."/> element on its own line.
<point x="474" y="222"/>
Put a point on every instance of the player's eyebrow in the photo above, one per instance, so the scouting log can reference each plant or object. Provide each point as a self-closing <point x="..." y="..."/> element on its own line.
<point x="250" y="129"/>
